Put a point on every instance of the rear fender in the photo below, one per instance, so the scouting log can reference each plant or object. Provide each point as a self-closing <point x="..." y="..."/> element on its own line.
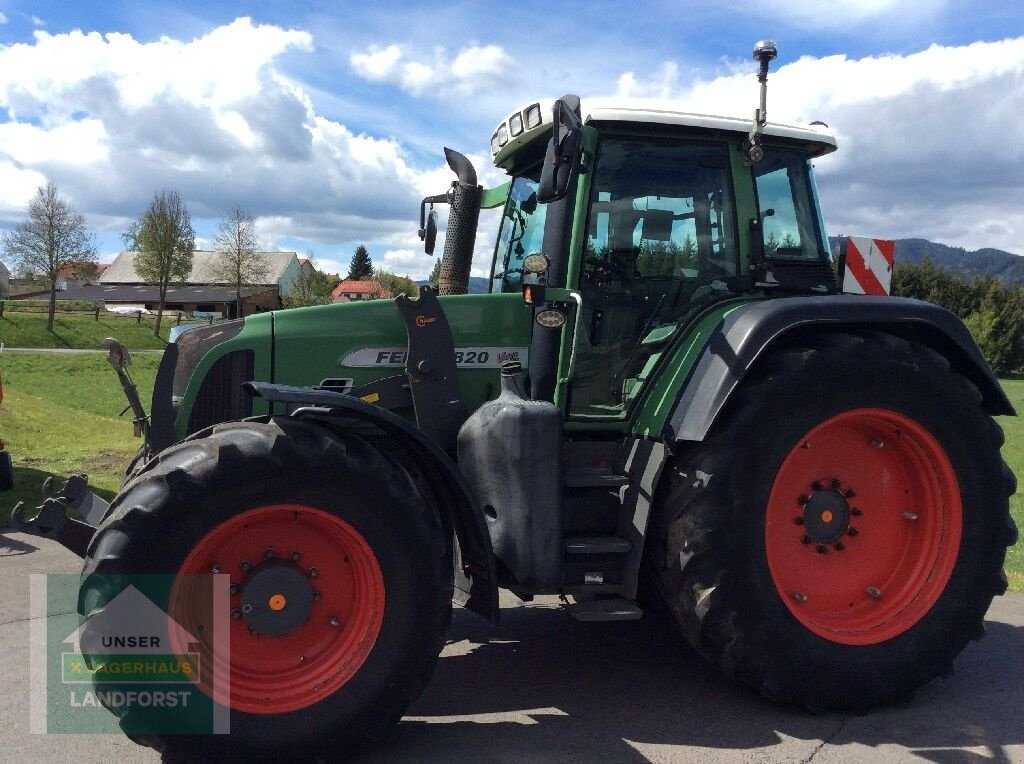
<point x="476" y="579"/>
<point x="751" y="329"/>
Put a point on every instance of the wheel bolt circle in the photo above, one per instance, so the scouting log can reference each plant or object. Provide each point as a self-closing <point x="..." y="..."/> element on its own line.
<point x="236" y="614"/>
<point x="270" y="552"/>
<point x="245" y="565"/>
<point x="294" y="556"/>
<point x="312" y="572"/>
<point x="233" y="589"/>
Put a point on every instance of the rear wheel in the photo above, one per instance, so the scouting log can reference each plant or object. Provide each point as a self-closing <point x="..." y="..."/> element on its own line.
<point x="340" y="573"/>
<point x="837" y="540"/>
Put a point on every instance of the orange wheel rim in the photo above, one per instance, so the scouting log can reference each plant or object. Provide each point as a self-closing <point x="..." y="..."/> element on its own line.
<point x="313" y="595"/>
<point x="863" y="526"/>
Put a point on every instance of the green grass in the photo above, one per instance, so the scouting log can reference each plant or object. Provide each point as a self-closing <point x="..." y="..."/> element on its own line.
<point x="59" y="416"/>
<point x="82" y="331"/>
<point x="1013" y="453"/>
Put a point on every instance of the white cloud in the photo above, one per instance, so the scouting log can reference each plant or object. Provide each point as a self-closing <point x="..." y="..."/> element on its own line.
<point x="3" y="18"/>
<point x="36" y="21"/>
<point x="110" y="119"/>
<point x="474" y="69"/>
<point x="931" y="144"/>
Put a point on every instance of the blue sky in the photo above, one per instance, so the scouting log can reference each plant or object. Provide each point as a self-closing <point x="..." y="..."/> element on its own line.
<point x="327" y="119"/>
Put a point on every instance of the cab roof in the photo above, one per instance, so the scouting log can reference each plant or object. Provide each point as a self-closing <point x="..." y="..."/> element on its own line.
<point x="817" y="138"/>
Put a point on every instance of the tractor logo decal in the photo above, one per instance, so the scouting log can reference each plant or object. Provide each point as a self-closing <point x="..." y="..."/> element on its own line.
<point x="485" y="357"/>
<point x="425" y="320"/>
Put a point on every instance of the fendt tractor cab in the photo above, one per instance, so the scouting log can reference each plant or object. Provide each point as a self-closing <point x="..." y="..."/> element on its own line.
<point x="663" y="397"/>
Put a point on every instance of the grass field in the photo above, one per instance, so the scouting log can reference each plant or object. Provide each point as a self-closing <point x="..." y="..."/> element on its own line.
<point x="59" y="415"/>
<point x="28" y="330"/>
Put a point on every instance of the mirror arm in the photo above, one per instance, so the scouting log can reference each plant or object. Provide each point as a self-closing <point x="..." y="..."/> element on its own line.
<point x="431" y="200"/>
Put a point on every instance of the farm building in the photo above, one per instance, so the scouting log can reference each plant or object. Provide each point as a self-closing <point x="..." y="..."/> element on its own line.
<point x="119" y="285"/>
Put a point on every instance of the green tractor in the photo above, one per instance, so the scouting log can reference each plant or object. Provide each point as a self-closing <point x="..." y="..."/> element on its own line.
<point x="664" y="400"/>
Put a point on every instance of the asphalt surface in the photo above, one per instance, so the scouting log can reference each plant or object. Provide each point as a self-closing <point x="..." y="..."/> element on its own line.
<point x="544" y="687"/>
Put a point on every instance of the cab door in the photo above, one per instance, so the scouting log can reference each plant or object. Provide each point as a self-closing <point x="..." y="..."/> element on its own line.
<point x="660" y="243"/>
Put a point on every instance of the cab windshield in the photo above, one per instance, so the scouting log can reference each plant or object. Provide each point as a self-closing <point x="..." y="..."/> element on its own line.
<point x="521" y="234"/>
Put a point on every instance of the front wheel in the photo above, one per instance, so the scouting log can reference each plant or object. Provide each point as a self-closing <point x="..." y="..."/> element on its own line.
<point x="838" y="539"/>
<point x="340" y="576"/>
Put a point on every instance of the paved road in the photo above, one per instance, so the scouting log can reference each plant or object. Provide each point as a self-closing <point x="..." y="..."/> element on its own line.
<point x="547" y="688"/>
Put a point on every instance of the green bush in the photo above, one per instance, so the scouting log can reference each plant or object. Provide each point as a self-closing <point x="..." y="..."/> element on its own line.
<point x="991" y="310"/>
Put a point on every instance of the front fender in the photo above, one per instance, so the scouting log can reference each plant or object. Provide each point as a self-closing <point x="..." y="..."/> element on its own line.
<point x="748" y="331"/>
<point x="476" y="587"/>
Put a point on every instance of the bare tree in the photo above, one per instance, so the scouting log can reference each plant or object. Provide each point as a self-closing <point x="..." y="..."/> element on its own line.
<point x="240" y="264"/>
<point x="50" y="238"/>
<point x="163" y="240"/>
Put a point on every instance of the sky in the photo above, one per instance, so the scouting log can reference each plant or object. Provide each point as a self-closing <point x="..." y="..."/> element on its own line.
<point x="326" y="120"/>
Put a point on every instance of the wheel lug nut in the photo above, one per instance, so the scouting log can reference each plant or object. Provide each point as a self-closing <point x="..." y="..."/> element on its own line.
<point x="909" y="516"/>
<point x="247" y="608"/>
<point x="294" y="556"/>
<point x="316" y="596"/>
<point x="312" y="572"/>
<point x="269" y="553"/>
<point x="245" y="565"/>
<point x="799" y="597"/>
<point x="333" y="620"/>
<point x="233" y="589"/>
<point x="816" y="485"/>
<point x="804" y="498"/>
<point x="876" y="443"/>
<point x="856" y="512"/>
<point x="215" y="568"/>
<point x="822" y="549"/>
<point x="252" y="631"/>
<point x="806" y="540"/>
<point x="840" y="546"/>
<point x="852" y="531"/>
<point x="835" y="483"/>
<point x="799" y="520"/>
<point x="236" y="614"/>
<point x="849" y="493"/>
<point x="874" y="592"/>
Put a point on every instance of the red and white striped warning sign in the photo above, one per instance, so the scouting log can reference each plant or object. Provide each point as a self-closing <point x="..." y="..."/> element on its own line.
<point x="867" y="265"/>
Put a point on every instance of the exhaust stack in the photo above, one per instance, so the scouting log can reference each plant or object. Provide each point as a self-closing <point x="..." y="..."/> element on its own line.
<point x="460" y="236"/>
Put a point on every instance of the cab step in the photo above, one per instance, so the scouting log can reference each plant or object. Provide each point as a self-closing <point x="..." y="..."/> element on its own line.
<point x="597" y="545"/>
<point x="609" y="609"/>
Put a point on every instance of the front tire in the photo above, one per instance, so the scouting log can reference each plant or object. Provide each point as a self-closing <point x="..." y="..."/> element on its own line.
<point x="335" y="528"/>
<point x="837" y="540"/>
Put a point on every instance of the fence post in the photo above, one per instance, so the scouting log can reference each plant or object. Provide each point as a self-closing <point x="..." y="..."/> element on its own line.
<point x="179" y="319"/>
<point x="97" y="312"/>
<point x="138" y="317"/>
<point x="2" y="308"/>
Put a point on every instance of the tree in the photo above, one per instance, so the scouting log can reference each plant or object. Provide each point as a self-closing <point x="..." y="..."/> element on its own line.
<point x="240" y="263"/>
<point x="361" y="266"/>
<point x="312" y="287"/>
<point x="435" y="273"/>
<point x="395" y="284"/>
<point x="50" y="238"/>
<point x="163" y="240"/>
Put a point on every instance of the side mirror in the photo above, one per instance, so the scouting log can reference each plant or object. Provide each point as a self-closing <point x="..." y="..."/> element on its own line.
<point x="562" y="161"/>
<point x="430" y="233"/>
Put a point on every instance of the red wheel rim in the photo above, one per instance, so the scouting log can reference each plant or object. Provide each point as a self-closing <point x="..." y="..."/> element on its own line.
<point x="270" y="674"/>
<point x="863" y="526"/>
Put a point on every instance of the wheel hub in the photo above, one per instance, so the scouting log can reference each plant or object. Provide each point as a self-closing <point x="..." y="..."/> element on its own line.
<point x="826" y="516"/>
<point x="276" y="597"/>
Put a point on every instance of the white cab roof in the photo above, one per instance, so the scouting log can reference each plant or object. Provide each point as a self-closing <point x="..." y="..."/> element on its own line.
<point x="665" y="112"/>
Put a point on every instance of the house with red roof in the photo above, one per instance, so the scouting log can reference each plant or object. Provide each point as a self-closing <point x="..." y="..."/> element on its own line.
<point x="352" y="290"/>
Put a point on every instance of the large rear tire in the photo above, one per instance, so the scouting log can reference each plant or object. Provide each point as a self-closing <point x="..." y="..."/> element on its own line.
<point x="838" y="539"/>
<point x="333" y="526"/>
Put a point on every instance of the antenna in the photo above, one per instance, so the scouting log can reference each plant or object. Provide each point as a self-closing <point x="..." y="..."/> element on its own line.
<point x="764" y="53"/>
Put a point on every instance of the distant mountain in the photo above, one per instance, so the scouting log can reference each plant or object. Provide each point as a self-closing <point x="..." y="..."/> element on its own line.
<point x="1005" y="266"/>
<point x="477" y="284"/>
